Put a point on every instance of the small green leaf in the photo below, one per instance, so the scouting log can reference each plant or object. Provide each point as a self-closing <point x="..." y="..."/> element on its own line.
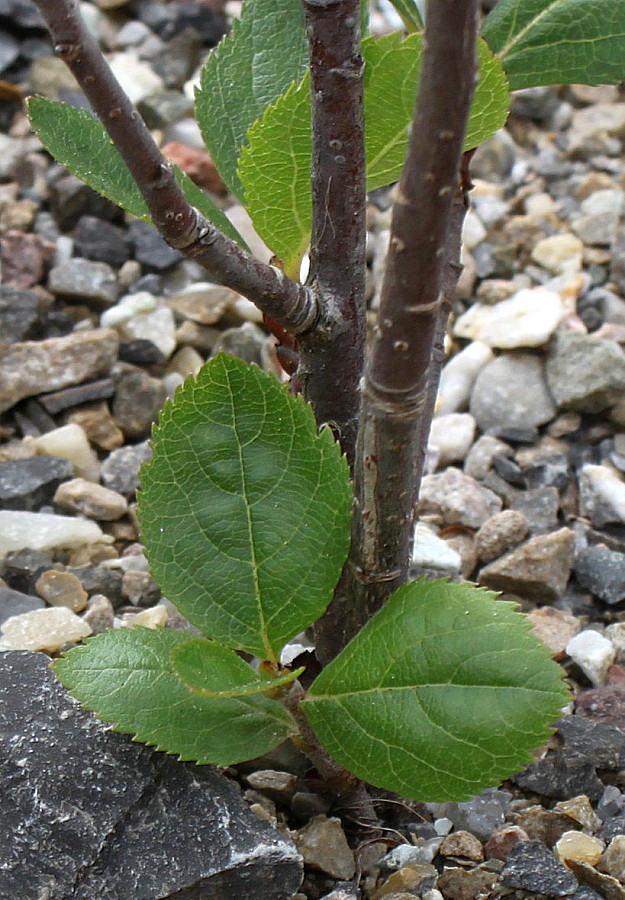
<point x="441" y="694"/>
<point x="78" y="140"/>
<point x="409" y="14"/>
<point x="126" y="677"/>
<point x="212" y="670"/>
<point x="275" y="165"/>
<point x="558" y="41"/>
<point x="244" y="508"/>
<point x="263" y="54"/>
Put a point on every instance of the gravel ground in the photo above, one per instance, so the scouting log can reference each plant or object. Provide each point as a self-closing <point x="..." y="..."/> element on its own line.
<point x="525" y="493"/>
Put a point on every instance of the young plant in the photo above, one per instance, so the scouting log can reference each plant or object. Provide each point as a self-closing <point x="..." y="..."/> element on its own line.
<point x="244" y="512"/>
<point x="431" y="689"/>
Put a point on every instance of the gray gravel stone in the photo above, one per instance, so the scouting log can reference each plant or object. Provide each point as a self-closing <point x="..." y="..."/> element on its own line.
<point x="539" y="506"/>
<point x="585" y="373"/>
<point x="539" y="568"/>
<point x="19" y="313"/>
<point x="138" y="401"/>
<point x="120" y="470"/>
<point x="30" y="483"/>
<point x="511" y="392"/>
<point x="602" y="571"/>
<point x="110" y="818"/>
<point x="14" y="603"/>
<point x="85" y="280"/>
<point x="532" y="866"/>
<point x="459" y="499"/>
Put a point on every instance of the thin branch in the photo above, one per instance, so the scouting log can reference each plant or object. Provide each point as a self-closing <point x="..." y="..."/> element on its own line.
<point x="394" y="417"/>
<point x="332" y="358"/>
<point x="182" y="226"/>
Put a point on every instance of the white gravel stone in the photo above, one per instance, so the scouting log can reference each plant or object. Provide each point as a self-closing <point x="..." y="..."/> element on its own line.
<point x="451" y="437"/>
<point x="528" y="319"/>
<point x="43" y="629"/>
<point x="44" y="531"/>
<point x="141" y="316"/>
<point x="473" y="231"/>
<point x="602" y="495"/>
<point x="138" y="78"/>
<point x="593" y="653"/>
<point x="559" y="253"/>
<point x="458" y="377"/>
<point x="430" y="551"/>
<point x="70" y="442"/>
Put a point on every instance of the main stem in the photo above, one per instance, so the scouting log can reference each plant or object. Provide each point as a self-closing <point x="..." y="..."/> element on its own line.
<point x="183" y="227"/>
<point x="395" y="415"/>
<point x="332" y="356"/>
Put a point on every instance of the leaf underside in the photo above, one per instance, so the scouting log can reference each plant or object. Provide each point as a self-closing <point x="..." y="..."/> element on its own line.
<point x="244" y="508"/>
<point x="441" y="694"/>
<point x="127" y="678"/>
<point x="275" y="164"/>
<point x="78" y="140"/>
<point x="558" y="41"/>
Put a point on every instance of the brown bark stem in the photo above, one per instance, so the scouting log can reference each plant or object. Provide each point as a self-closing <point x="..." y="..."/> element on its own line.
<point x="393" y="414"/>
<point x="182" y="226"/>
<point x="332" y="357"/>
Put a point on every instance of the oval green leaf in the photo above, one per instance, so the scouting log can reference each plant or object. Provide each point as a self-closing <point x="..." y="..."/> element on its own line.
<point x="79" y="141"/>
<point x="444" y="692"/>
<point x="127" y="678"/>
<point x="274" y="167"/>
<point x="244" y="508"/>
<point x="212" y="670"/>
<point x="558" y="41"/>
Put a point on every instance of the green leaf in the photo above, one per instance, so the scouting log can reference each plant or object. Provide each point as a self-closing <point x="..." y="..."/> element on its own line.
<point x="409" y="14"/>
<point x="263" y="54"/>
<point x="212" y="670"/>
<point x="126" y="677"/>
<point x="244" y="508"/>
<point x="78" y="140"/>
<point x="558" y="41"/>
<point x="442" y="693"/>
<point x="275" y="166"/>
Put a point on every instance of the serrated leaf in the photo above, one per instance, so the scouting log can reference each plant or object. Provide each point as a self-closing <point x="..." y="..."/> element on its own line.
<point x="265" y="52"/>
<point x="126" y="677"/>
<point x="275" y="165"/>
<point x="212" y="670"/>
<point x="244" y="508"/>
<point x="441" y="694"/>
<point x="78" y="140"/>
<point x="558" y="41"/>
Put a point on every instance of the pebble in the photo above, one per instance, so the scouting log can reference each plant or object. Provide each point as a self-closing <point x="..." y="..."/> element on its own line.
<point x="91" y="500"/>
<point x="85" y="280"/>
<point x="500" y="533"/>
<point x="528" y="319"/>
<point x="531" y="866"/>
<point x="278" y="786"/>
<point x="501" y="841"/>
<point x="33" y="367"/>
<point x="138" y="400"/>
<point x="613" y="860"/>
<point x="601" y="495"/>
<point x="430" y="551"/>
<point x="580" y="809"/>
<point x="579" y="846"/>
<point x="155" y="617"/>
<point x="473" y="231"/>
<point x="594" y="129"/>
<point x="462" y="845"/>
<point x="203" y="303"/>
<point x="70" y="442"/>
<point x="14" y="603"/>
<point x="324" y="847"/>
<point x="99" y="615"/>
<point x="538" y="569"/>
<point x="24" y="258"/>
<point x="593" y="653"/>
<point x="585" y="373"/>
<point x="246" y="342"/>
<point x="67" y="398"/>
<point x="602" y="571"/>
<point x="511" y="392"/>
<point x="554" y="628"/>
<point x="141" y="316"/>
<point x="457" y="498"/>
<point x="42" y="629"/>
<point x="96" y="421"/>
<point x="481" y="815"/>
<point x="458" y="377"/>
<point x="120" y="470"/>
<point x="559" y="253"/>
<point x="451" y="437"/>
<point x="44" y="531"/>
<point x="463" y="884"/>
<point x="407" y="880"/>
<point x="540" y="507"/>
<point x="600" y="215"/>
<point x="20" y="312"/>
<point x="61" y="589"/>
<point x="30" y="483"/>
<point x="101" y="241"/>
<point x="150" y="249"/>
<point x="480" y="457"/>
<point x="137" y="76"/>
<point x="139" y="588"/>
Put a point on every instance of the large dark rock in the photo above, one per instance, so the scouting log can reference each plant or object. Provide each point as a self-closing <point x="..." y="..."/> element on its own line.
<point x="531" y="866"/>
<point x="92" y="814"/>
